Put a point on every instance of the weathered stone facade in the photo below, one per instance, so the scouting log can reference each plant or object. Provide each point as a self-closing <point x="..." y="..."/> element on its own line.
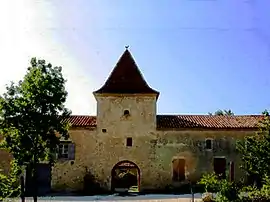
<point x="101" y="144"/>
<point x="152" y="151"/>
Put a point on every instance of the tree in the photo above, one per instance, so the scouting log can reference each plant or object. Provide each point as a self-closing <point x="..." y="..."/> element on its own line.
<point x="223" y="112"/>
<point x="255" y="152"/>
<point x="31" y="112"/>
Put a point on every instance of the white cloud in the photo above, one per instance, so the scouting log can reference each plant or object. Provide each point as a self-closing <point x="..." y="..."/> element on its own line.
<point x="28" y="29"/>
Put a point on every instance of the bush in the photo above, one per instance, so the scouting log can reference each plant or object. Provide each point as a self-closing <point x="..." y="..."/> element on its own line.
<point x="228" y="191"/>
<point x="257" y="195"/>
<point x="9" y="184"/>
<point x="210" y="182"/>
<point x="225" y="191"/>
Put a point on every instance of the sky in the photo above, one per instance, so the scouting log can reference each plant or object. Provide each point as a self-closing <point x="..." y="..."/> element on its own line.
<point x="201" y="55"/>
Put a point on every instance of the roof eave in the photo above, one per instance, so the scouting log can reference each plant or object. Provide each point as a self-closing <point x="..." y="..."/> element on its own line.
<point x="104" y="94"/>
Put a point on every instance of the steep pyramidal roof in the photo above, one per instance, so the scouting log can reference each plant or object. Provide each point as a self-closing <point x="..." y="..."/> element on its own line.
<point x="126" y="78"/>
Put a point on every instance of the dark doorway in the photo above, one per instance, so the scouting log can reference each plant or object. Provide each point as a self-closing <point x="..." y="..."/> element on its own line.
<point x="43" y="180"/>
<point x="125" y="175"/>
<point x="220" y="167"/>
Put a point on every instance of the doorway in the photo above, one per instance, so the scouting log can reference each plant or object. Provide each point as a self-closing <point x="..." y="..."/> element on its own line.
<point x="125" y="177"/>
<point x="220" y="167"/>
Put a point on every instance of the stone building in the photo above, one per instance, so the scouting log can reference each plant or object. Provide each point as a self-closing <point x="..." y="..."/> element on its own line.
<point x="127" y="144"/>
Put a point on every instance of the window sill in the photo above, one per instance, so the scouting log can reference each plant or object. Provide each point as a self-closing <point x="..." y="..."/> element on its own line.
<point x="63" y="159"/>
<point x="209" y="150"/>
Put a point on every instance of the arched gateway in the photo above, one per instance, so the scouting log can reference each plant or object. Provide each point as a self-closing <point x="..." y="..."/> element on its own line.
<point x="125" y="174"/>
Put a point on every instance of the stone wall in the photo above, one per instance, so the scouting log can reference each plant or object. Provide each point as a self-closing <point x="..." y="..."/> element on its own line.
<point x="152" y="152"/>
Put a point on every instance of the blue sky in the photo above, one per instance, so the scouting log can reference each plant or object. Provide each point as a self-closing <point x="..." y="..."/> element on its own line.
<point x="202" y="55"/>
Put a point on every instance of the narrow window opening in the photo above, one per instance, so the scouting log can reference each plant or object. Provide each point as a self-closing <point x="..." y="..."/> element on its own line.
<point x="208" y="144"/>
<point x="126" y="112"/>
<point x="129" y="142"/>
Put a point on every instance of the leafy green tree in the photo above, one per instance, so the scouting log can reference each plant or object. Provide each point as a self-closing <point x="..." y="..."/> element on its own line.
<point x="255" y="152"/>
<point x="222" y="112"/>
<point x="31" y="112"/>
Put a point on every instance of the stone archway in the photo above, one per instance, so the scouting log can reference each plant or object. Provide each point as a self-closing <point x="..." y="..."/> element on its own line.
<point x="125" y="174"/>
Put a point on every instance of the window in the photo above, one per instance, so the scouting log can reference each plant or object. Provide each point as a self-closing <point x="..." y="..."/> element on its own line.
<point x="220" y="167"/>
<point x="63" y="151"/>
<point x="208" y="144"/>
<point x="126" y="112"/>
<point x="66" y="151"/>
<point x="178" y="170"/>
<point x="129" y="142"/>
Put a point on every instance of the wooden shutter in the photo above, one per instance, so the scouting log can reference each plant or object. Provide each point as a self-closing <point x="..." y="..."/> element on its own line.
<point x="56" y="153"/>
<point x="231" y="171"/>
<point x="178" y="169"/>
<point x="200" y="145"/>
<point x="181" y="169"/>
<point x="216" y="145"/>
<point x="175" y="169"/>
<point x="71" y="151"/>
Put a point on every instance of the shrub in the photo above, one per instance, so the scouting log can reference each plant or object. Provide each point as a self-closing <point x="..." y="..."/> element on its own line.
<point x="259" y="195"/>
<point x="225" y="191"/>
<point x="210" y="182"/>
<point x="9" y="184"/>
<point x="228" y="191"/>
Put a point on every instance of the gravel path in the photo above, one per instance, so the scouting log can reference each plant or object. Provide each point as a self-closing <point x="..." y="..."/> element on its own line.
<point x="111" y="198"/>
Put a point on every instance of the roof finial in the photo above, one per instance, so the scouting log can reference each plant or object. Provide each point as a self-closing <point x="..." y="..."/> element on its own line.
<point x="126" y="47"/>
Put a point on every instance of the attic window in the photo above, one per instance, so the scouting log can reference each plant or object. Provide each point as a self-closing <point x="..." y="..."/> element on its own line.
<point x="126" y="112"/>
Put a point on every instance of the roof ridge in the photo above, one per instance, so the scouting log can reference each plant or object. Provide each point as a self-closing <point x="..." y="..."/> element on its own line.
<point x="83" y="115"/>
<point x="245" y="115"/>
<point x="207" y="115"/>
<point x="184" y="121"/>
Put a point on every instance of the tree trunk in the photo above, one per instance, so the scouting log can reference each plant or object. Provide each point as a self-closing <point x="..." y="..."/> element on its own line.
<point x="22" y="189"/>
<point x="35" y="184"/>
<point x="35" y="179"/>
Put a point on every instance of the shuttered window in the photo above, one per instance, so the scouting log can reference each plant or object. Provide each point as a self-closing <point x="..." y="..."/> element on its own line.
<point x="66" y="151"/>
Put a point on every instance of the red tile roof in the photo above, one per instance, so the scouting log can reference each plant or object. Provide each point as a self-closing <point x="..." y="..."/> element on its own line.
<point x="186" y="121"/>
<point x="81" y="121"/>
<point x="208" y="121"/>
<point x="126" y="78"/>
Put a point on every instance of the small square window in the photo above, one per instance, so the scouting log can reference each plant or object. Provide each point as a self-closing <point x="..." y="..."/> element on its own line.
<point x="208" y="144"/>
<point x="129" y="142"/>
